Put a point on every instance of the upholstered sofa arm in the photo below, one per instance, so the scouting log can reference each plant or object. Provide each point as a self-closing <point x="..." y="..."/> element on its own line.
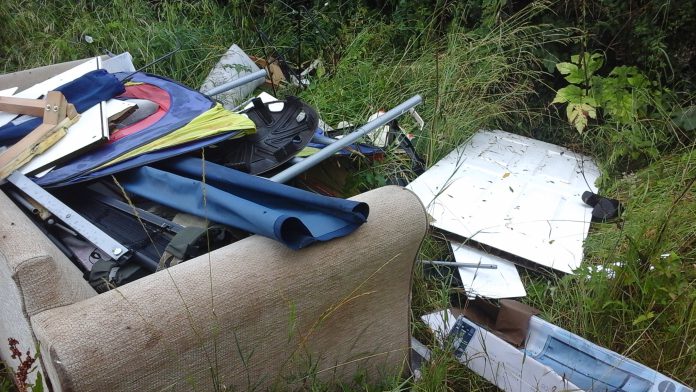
<point x="254" y="314"/>
<point x="34" y="276"/>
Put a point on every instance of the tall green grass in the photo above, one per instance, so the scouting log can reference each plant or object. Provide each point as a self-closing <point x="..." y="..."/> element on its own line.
<point x="470" y="79"/>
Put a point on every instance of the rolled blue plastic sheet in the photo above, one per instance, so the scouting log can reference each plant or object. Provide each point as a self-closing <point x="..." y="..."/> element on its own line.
<point x="295" y="217"/>
<point x="83" y="92"/>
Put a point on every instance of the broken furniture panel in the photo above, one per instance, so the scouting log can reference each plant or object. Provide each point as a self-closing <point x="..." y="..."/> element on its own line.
<point x="92" y="128"/>
<point x="516" y="194"/>
<point x="38" y="90"/>
<point x="501" y="282"/>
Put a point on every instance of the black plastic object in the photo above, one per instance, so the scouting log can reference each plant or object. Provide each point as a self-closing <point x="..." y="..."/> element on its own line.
<point x="279" y="136"/>
<point x="604" y="208"/>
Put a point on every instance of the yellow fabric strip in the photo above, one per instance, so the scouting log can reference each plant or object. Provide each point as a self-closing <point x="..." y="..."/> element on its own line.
<point x="215" y="121"/>
<point x="307" y="151"/>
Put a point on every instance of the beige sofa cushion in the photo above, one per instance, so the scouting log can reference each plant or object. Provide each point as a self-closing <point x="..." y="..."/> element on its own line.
<point x="254" y="313"/>
<point x="34" y="276"/>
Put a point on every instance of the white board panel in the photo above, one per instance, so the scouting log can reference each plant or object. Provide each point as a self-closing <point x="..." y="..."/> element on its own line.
<point x="8" y="92"/>
<point x="502" y="282"/>
<point x="513" y="193"/>
<point x="38" y="90"/>
<point x="91" y="129"/>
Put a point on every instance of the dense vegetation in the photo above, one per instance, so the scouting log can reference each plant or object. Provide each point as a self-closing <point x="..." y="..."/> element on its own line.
<point x="613" y="79"/>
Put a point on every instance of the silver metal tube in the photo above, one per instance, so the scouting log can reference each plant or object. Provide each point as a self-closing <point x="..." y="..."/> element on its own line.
<point x="329" y="150"/>
<point x="324" y="139"/>
<point x="456" y="264"/>
<point x="24" y="202"/>
<point x="237" y="82"/>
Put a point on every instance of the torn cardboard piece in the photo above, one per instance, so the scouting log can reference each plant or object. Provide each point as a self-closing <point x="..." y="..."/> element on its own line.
<point x="552" y="358"/>
<point x="492" y="358"/>
<point x="515" y="194"/>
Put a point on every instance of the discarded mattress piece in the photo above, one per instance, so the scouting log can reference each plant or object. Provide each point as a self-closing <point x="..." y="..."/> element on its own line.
<point x="290" y="215"/>
<point x="191" y="117"/>
<point x="515" y="194"/>
<point x="552" y="358"/>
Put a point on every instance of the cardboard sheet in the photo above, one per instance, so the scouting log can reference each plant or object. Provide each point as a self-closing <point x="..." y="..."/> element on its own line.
<point x="503" y="282"/>
<point x="494" y="359"/>
<point x="513" y="193"/>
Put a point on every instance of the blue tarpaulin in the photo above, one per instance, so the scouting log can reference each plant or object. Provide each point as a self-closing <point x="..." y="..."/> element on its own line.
<point x="83" y="92"/>
<point x="295" y="217"/>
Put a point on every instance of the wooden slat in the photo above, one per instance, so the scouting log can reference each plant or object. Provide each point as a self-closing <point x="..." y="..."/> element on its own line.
<point x="31" y="107"/>
<point x="56" y="108"/>
<point x="36" y="142"/>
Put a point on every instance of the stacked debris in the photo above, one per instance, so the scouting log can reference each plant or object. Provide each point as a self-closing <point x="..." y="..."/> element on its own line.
<point x="504" y="202"/>
<point x="129" y="172"/>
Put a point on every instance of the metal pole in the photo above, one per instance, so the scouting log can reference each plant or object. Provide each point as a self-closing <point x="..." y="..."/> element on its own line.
<point x="329" y="150"/>
<point x="237" y="82"/>
<point x="456" y="264"/>
<point x="324" y="139"/>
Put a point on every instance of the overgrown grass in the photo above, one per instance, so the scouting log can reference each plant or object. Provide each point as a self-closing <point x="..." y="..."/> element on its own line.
<point x="641" y="301"/>
<point x="470" y="79"/>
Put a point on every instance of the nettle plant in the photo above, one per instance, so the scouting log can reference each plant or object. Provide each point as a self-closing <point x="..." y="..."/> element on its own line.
<point x="626" y="96"/>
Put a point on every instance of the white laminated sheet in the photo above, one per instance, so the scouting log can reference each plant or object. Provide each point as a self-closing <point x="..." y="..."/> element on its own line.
<point x="501" y="282"/>
<point x="91" y="129"/>
<point x="516" y="194"/>
<point x="38" y="90"/>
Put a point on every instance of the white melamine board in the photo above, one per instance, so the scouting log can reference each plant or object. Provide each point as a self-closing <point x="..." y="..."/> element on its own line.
<point x="8" y="92"/>
<point x="502" y="282"/>
<point x="92" y="128"/>
<point x="38" y="90"/>
<point x="513" y="193"/>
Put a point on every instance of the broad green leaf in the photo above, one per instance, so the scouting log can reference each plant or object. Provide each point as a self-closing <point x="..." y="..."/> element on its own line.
<point x="578" y="115"/>
<point x="571" y="71"/>
<point x="570" y="93"/>
<point x="594" y="63"/>
<point x="685" y="118"/>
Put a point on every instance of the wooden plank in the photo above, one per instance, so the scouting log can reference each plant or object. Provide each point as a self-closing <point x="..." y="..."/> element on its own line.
<point x="92" y="130"/>
<point x="36" y="142"/>
<point x="56" y="108"/>
<point x="31" y="107"/>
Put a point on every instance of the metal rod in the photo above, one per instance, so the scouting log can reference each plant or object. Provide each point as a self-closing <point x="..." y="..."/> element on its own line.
<point x="324" y="139"/>
<point x="455" y="264"/>
<point x="329" y="150"/>
<point x="138" y="213"/>
<point x="24" y="202"/>
<point x="71" y="218"/>
<point x="237" y="82"/>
